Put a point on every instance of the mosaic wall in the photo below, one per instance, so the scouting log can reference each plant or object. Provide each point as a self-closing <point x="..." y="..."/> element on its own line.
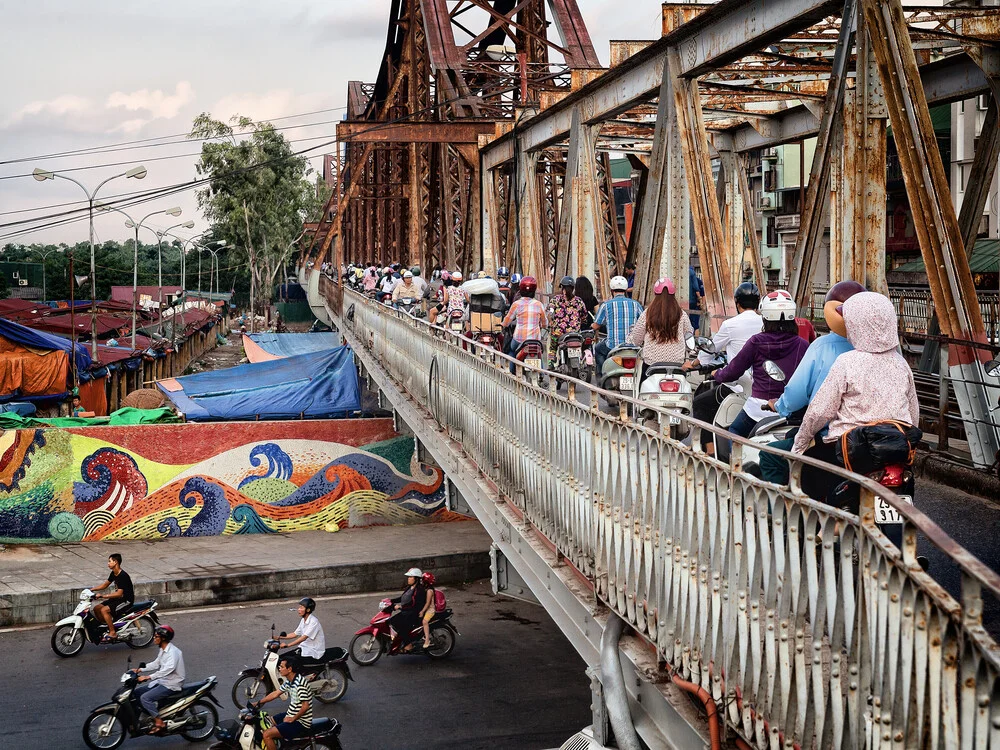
<point x="156" y="481"/>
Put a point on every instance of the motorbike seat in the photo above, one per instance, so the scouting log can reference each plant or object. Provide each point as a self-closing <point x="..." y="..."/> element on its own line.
<point x="441" y="615"/>
<point x="767" y="423"/>
<point x="139" y="606"/>
<point x="663" y="368"/>
<point x="189" y="688"/>
<point x="334" y="653"/>
<point x="323" y="726"/>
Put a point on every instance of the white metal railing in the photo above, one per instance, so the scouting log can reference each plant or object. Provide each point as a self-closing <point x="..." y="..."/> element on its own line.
<point x="807" y="627"/>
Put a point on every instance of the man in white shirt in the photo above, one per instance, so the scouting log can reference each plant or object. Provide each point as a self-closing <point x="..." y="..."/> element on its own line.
<point x="308" y="635"/>
<point x="733" y="333"/>
<point x="163" y="676"/>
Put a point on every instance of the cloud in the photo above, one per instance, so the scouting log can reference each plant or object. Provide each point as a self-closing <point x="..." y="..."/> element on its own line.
<point x="269" y="105"/>
<point x="58" y="107"/>
<point x="156" y="103"/>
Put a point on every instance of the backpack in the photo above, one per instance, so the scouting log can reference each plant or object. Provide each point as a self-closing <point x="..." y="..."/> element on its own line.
<point x="439" y="600"/>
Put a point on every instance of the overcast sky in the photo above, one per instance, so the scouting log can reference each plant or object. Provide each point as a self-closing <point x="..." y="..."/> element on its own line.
<point x="85" y="75"/>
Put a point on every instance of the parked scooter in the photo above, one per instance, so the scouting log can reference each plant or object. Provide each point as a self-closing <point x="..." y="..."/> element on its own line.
<point x="189" y="713"/>
<point x="327" y="679"/>
<point x="134" y="628"/>
<point x="618" y="374"/>
<point x="246" y="732"/>
<point x="378" y="637"/>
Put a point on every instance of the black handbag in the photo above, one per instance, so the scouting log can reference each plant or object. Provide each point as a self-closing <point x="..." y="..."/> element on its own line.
<point x="873" y="446"/>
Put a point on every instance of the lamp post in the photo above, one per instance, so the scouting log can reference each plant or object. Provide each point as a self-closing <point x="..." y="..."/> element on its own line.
<point x="132" y="224"/>
<point x="43" y="174"/>
<point x="191" y="241"/>
<point x="45" y="255"/>
<point x="159" y="263"/>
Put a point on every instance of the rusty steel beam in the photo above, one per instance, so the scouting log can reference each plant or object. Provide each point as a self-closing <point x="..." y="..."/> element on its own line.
<point x="984" y="166"/>
<point x="935" y="221"/>
<point x="366" y="131"/>
<point x="753" y="244"/>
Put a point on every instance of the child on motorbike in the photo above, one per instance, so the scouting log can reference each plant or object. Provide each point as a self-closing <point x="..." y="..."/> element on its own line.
<point x="428" y="612"/>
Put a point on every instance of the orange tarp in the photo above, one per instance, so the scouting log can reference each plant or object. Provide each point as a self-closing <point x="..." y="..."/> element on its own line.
<point x="32" y="372"/>
<point x="94" y="397"/>
<point x="255" y="353"/>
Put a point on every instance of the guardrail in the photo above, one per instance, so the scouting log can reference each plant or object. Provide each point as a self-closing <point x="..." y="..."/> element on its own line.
<point x="807" y="627"/>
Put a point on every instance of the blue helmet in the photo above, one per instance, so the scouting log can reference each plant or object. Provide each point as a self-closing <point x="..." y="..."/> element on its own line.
<point x="515" y="279"/>
<point x="503" y="272"/>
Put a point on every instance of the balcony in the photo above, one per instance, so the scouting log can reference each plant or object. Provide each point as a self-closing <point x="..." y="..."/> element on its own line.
<point x="786" y="222"/>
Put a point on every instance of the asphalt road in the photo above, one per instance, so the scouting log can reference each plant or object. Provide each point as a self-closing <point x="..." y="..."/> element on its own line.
<point x="513" y="681"/>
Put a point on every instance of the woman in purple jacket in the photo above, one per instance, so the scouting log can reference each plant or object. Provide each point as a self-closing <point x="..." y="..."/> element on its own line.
<point x="780" y="343"/>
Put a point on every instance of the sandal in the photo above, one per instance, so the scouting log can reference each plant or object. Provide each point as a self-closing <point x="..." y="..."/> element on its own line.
<point x="427" y="644"/>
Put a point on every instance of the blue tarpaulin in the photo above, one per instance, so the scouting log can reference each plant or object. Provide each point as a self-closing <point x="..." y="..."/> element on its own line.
<point x="290" y="344"/>
<point x="41" y="340"/>
<point x="320" y="384"/>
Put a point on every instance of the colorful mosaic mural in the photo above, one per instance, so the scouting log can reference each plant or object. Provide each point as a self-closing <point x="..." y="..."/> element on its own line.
<point x="157" y="481"/>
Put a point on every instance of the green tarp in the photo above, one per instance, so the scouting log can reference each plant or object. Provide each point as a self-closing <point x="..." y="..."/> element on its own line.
<point x="126" y="416"/>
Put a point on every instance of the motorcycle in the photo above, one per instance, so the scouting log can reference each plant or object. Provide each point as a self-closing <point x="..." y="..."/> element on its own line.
<point x="134" y="628"/>
<point x="896" y="477"/>
<point x="531" y="354"/>
<point x="456" y="322"/>
<point x="246" y="732"/>
<point x="619" y="371"/>
<point x="378" y="637"/>
<point x="410" y="306"/>
<point x="575" y="355"/>
<point x="768" y="430"/>
<point x="328" y="679"/>
<point x="189" y="713"/>
<point x="666" y="386"/>
<point x="489" y="338"/>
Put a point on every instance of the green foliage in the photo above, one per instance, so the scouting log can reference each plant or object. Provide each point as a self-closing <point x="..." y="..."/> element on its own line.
<point x="4" y="287"/>
<point x="257" y="198"/>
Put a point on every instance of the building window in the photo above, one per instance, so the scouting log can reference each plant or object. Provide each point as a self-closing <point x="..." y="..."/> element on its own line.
<point x="963" y="176"/>
<point x="984" y="226"/>
<point x="772" y="232"/>
<point x="982" y="102"/>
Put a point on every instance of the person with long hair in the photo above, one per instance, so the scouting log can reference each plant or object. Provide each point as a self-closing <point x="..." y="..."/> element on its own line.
<point x="585" y="291"/>
<point x="663" y="328"/>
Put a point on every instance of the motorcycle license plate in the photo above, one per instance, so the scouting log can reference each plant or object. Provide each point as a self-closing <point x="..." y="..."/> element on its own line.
<point x="574" y="353"/>
<point x="533" y="362"/>
<point x="885" y="513"/>
<point x="626" y="384"/>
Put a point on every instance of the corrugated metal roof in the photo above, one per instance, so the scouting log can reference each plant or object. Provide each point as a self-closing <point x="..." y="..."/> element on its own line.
<point x="621" y="169"/>
<point x="985" y="258"/>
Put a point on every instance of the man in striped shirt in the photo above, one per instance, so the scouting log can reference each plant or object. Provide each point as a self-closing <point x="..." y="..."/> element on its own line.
<point x="297" y="720"/>
<point x="618" y="315"/>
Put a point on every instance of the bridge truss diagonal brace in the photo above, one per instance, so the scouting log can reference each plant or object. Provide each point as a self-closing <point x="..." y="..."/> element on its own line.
<point x="554" y="584"/>
<point x="580" y="216"/>
<point x="935" y="221"/>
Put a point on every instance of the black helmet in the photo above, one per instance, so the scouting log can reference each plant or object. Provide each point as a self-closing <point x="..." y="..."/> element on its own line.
<point x="165" y="632"/>
<point x="747" y="295"/>
<point x="308" y="603"/>
<point x="567" y="281"/>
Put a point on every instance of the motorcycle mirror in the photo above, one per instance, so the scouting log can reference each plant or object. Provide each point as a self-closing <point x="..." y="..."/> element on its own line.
<point x="706" y="345"/>
<point x="282" y="634"/>
<point x="690" y="343"/>
<point x="773" y="371"/>
<point x="993" y="368"/>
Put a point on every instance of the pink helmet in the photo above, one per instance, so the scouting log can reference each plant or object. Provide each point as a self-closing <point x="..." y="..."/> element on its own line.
<point x="664" y="283"/>
<point x="446" y="275"/>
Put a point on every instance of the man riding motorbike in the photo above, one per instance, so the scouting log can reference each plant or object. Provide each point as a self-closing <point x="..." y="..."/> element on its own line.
<point x="730" y="338"/>
<point x="163" y="676"/>
<point x="801" y="388"/>
<point x="406" y="289"/>
<point x="308" y="636"/>
<point x="616" y="316"/>
<point x="121" y="598"/>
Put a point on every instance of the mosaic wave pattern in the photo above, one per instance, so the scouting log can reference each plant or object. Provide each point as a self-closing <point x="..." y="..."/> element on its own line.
<point x="133" y="482"/>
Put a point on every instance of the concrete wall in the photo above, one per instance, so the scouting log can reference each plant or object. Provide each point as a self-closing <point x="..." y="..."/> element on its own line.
<point x="156" y="481"/>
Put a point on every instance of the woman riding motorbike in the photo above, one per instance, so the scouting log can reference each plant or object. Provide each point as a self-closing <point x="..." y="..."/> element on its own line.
<point x="408" y="606"/>
<point x="662" y="329"/>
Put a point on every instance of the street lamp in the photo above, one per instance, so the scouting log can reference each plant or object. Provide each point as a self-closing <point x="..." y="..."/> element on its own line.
<point x="159" y="258"/>
<point x="45" y="254"/>
<point x="132" y="224"/>
<point x="43" y="174"/>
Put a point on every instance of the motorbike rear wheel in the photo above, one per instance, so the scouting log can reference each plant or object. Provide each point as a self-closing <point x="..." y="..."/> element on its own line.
<point x="443" y="642"/>
<point x="248" y="688"/>
<point x="142" y="634"/>
<point x="202" y="711"/>
<point x="366" y="649"/>
<point x="103" y="730"/>
<point x="335" y="685"/>
<point x="67" y="640"/>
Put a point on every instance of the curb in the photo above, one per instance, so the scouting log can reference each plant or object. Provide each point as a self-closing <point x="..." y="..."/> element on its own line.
<point x="938" y="469"/>
<point x="347" y="578"/>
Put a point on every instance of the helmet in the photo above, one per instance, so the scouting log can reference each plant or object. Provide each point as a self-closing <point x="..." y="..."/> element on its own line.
<point x="387" y="269"/>
<point x="414" y="573"/>
<point x="515" y="278"/>
<point x="446" y="275"/>
<point x="482" y="275"/>
<point x="778" y="305"/>
<point x="415" y="270"/>
<point x="619" y="284"/>
<point x="396" y="266"/>
<point x="503" y="272"/>
<point x="429" y="579"/>
<point x="747" y="295"/>
<point x="567" y="281"/>
<point x="165" y="632"/>
<point x="527" y="286"/>
<point x="833" y="308"/>
<point x="662" y="283"/>
<point x="308" y="603"/>
<point x="456" y="276"/>
<point x="407" y="274"/>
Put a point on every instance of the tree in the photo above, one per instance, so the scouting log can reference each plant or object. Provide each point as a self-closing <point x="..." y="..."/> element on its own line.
<point x="258" y="195"/>
<point x="4" y="287"/>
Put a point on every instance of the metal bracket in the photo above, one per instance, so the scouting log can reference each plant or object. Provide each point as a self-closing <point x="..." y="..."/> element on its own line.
<point x="506" y="580"/>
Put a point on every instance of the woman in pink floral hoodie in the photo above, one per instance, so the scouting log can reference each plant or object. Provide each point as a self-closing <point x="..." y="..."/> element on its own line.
<point x="871" y="384"/>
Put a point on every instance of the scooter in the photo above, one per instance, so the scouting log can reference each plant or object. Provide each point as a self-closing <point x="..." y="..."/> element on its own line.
<point x="410" y="306"/>
<point x="189" y="713"/>
<point x="666" y="386"/>
<point x="896" y="477"/>
<point x="327" y="679"/>
<point x="246" y="732"/>
<point x="456" y="322"/>
<point x="378" y="637"/>
<point x="135" y="628"/>
<point x="618" y="373"/>
<point x="489" y="338"/>
<point x="766" y="431"/>
<point x="575" y="355"/>
<point x="532" y="354"/>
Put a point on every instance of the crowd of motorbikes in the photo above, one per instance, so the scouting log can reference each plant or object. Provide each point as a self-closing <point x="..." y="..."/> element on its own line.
<point x="193" y="712"/>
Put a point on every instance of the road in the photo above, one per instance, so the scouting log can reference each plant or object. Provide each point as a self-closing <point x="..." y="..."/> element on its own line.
<point x="512" y="682"/>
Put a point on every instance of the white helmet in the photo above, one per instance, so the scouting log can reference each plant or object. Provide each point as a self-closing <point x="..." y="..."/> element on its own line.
<point x="778" y="305"/>
<point x="414" y="573"/>
<point x="619" y="284"/>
